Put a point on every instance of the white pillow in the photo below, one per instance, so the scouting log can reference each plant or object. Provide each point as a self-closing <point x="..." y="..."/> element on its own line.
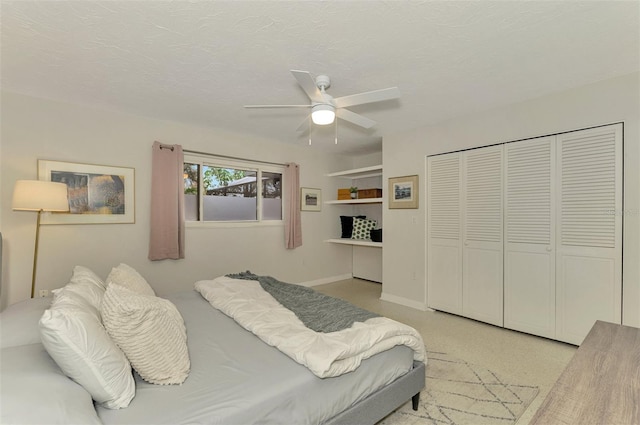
<point x="150" y="331"/>
<point x="87" y="284"/>
<point x="35" y="391"/>
<point x="73" y="335"/>
<point x="127" y="277"/>
<point x="83" y="274"/>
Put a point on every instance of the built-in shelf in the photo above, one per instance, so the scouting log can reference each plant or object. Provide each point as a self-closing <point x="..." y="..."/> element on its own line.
<point x="359" y="173"/>
<point x="366" y="255"/>
<point x="359" y="242"/>
<point x="357" y="201"/>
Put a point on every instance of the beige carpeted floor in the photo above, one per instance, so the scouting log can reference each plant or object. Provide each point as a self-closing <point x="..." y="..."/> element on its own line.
<point x="523" y="359"/>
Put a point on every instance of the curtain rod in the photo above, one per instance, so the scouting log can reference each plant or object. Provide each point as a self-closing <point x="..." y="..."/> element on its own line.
<point x="223" y="156"/>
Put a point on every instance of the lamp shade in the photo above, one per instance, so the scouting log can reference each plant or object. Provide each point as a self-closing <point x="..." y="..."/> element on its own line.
<point x="323" y="114"/>
<point x="36" y="195"/>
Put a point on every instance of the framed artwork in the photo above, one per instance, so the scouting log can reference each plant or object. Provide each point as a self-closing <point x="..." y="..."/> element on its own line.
<point x="310" y="199"/>
<point x="97" y="194"/>
<point x="403" y="192"/>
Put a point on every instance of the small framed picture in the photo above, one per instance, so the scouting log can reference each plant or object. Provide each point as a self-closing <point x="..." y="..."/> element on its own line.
<point x="310" y="199"/>
<point x="403" y="192"/>
<point x="97" y="193"/>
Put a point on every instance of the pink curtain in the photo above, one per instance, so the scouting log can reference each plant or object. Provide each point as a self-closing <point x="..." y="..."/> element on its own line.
<point x="292" y="222"/>
<point x="167" y="203"/>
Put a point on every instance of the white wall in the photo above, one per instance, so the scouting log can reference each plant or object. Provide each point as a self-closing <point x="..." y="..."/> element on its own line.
<point x="35" y="129"/>
<point x="366" y="160"/>
<point x="614" y="100"/>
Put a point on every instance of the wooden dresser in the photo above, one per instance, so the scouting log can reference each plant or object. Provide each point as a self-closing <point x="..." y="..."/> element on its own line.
<point x="601" y="383"/>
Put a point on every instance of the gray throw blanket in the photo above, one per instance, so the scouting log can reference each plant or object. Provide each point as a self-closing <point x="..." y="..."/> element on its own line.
<point x="317" y="311"/>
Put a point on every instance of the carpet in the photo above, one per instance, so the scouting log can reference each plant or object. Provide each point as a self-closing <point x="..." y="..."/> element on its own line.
<point x="461" y="393"/>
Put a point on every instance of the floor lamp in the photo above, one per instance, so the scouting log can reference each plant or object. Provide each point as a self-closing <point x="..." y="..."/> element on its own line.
<point x="38" y="195"/>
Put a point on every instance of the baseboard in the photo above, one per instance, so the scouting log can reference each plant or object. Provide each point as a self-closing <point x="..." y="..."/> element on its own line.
<point x="324" y="280"/>
<point x="405" y="302"/>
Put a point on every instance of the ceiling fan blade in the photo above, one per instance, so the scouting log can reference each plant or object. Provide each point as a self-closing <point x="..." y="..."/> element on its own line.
<point x="354" y="118"/>
<point x="308" y="84"/>
<point x="367" y="97"/>
<point x="276" y="106"/>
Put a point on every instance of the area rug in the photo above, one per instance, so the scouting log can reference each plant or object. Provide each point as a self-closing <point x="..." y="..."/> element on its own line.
<point x="461" y="393"/>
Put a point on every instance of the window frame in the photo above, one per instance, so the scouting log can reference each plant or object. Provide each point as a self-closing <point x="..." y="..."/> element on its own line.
<point x="220" y="162"/>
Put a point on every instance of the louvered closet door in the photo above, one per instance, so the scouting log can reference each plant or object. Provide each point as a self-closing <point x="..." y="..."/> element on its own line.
<point x="529" y="280"/>
<point x="589" y="231"/>
<point x="444" y="233"/>
<point x="482" y="251"/>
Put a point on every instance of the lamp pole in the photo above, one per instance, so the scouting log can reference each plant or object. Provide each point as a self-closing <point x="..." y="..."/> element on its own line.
<point x="35" y="256"/>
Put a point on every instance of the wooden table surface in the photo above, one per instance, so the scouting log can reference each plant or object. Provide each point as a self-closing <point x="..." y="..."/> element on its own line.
<point x="601" y="383"/>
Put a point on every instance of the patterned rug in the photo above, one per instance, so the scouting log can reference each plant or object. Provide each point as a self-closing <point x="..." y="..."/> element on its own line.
<point x="460" y="393"/>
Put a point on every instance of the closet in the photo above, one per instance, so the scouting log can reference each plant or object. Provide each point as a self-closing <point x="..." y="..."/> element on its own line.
<point x="528" y="234"/>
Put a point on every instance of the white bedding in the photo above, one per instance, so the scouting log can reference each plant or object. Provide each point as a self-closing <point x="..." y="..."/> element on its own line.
<point x="325" y="354"/>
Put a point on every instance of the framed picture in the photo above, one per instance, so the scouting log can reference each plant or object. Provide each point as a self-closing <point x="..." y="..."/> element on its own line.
<point x="403" y="192"/>
<point x="310" y="199"/>
<point x="97" y="193"/>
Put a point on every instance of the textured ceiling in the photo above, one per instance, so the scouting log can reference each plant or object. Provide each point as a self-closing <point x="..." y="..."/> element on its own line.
<point x="200" y="62"/>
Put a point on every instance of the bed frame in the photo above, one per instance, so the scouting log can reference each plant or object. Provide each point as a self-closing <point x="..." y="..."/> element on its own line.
<point x="387" y="399"/>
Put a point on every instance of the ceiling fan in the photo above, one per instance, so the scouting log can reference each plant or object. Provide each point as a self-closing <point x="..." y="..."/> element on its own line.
<point x="325" y="108"/>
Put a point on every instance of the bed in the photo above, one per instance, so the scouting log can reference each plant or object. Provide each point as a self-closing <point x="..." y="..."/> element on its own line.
<point x="234" y="378"/>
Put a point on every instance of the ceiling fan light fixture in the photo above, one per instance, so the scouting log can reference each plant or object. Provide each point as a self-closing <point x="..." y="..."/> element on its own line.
<point x="323" y="114"/>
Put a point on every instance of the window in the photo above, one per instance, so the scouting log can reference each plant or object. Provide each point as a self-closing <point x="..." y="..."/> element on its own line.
<point x="221" y="190"/>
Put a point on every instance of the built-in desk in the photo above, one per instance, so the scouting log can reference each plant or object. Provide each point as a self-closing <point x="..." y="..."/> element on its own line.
<point x="601" y="383"/>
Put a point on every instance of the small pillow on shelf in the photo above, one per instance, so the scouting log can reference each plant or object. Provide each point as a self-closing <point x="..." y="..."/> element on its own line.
<point x="362" y="228"/>
<point x="376" y="235"/>
<point x="346" y="222"/>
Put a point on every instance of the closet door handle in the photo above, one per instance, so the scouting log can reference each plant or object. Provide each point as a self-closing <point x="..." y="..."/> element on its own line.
<point x="548" y="249"/>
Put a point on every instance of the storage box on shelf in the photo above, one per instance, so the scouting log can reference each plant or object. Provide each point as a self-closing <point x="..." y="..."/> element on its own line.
<point x="369" y="193"/>
<point x="344" y="194"/>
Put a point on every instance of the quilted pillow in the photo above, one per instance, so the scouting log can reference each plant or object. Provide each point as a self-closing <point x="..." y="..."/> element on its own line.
<point x="150" y="331"/>
<point x="346" y="224"/>
<point x="128" y="277"/>
<point x="362" y="228"/>
<point x="73" y="335"/>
